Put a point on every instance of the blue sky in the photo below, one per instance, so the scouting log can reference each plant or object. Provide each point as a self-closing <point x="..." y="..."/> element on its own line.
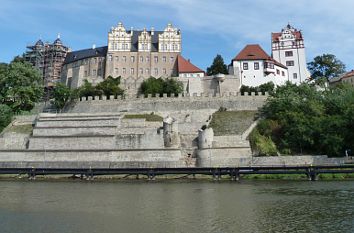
<point x="209" y="27"/>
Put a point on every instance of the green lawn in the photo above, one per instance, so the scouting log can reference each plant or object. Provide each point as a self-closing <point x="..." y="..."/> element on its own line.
<point x="147" y="117"/>
<point x="23" y="129"/>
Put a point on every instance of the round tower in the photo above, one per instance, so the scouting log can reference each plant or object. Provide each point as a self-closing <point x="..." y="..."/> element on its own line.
<point x="170" y="132"/>
<point x="205" y="138"/>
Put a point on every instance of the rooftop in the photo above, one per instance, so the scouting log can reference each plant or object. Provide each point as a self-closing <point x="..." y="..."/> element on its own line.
<point x="185" y="66"/>
<point x="85" y="53"/>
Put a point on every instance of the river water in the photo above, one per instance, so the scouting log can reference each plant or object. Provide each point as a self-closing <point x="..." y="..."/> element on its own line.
<point x="176" y="206"/>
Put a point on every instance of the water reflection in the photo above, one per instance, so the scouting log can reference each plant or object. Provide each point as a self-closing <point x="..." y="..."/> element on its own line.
<point x="171" y="206"/>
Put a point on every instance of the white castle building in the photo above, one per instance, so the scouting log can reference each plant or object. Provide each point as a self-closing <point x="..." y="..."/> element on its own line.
<point x="255" y="67"/>
<point x="288" y="48"/>
<point x="287" y="63"/>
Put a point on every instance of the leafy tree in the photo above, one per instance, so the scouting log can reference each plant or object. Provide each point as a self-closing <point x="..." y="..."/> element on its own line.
<point x="21" y="86"/>
<point x="160" y="86"/>
<point x="5" y="116"/>
<point x="110" y="86"/>
<point x="87" y="89"/>
<point x="326" y="66"/>
<point x="61" y="94"/>
<point x="300" y="119"/>
<point x="172" y="86"/>
<point x="218" y="66"/>
<point x="266" y="87"/>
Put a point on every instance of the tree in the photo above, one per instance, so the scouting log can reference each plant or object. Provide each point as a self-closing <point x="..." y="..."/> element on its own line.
<point x="110" y="86"/>
<point x="326" y="66"/>
<point x="300" y="119"/>
<point x="21" y="86"/>
<point x="218" y="66"/>
<point x="61" y="95"/>
<point x="87" y="89"/>
<point x="5" y="116"/>
<point x="160" y="86"/>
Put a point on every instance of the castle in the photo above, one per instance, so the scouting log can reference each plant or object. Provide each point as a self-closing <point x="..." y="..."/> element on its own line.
<point x="287" y="63"/>
<point x="134" y="55"/>
<point x="49" y="59"/>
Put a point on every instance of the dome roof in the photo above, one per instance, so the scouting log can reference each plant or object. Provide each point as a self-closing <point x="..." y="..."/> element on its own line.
<point x="58" y="41"/>
<point x="39" y="43"/>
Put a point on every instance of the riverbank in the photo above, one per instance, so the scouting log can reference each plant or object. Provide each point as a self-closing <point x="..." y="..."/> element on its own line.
<point x="197" y="177"/>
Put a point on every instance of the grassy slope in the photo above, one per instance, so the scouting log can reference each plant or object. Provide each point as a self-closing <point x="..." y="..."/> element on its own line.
<point x="231" y="122"/>
<point x="147" y="117"/>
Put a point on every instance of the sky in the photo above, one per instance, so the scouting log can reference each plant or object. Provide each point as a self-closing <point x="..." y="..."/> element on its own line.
<point x="208" y="27"/>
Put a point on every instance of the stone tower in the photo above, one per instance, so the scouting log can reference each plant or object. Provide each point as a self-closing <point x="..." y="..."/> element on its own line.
<point x="170" y="132"/>
<point x="288" y="48"/>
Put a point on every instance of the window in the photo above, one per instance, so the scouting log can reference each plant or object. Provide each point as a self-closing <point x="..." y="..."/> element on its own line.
<point x="156" y="59"/>
<point x="288" y="53"/>
<point x="256" y="65"/>
<point x="132" y="59"/>
<point x="294" y="75"/>
<point x="95" y="60"/>
<point x="124" y="70"/>
<point x="289" y="63"/>
<point x="110" y="58"/>
<point x="141" y="71"/>
<point x="117" y="58"/>
<point x="245" y="66"/>
<point x="156" y="71"/>
<point x="164" y="59"/>
<point x="116" y="70"/>
<point x="93" y="72"/>
<point x="147" y="71"/>
<point x="124" y="58"/>
<point x="147" y="58"/>
<point x="85" y="75"/>
<point x="171" y="59"/>
<point x="278" y="71"/>
<point x="131" y="70"/>
<point x="164" y="71"/>
<point x="283" y="73"/>
<point x="99" y="72"/>
<point x="141" y="58"/>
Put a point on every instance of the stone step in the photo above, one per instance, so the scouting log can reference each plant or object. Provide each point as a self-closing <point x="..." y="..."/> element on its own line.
<point x="74" y="142"/>
<point x="79" y="123"/>
<point x="74" y="131"/>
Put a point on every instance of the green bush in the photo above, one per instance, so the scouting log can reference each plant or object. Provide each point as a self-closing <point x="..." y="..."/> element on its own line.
<point x="5" y="116"/>
<point x="262" y="145"/>
<point x="160" y="86"/>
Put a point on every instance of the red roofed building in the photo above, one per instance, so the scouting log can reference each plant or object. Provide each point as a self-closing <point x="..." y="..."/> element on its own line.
<point x="347" y="78"/>
<point x="255" y="67"/>
<point x="288" y="48"/>
<point x="186" y="69"/>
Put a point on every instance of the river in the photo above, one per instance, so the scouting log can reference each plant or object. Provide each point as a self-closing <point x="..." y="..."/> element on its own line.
<point x="176" y="206"/>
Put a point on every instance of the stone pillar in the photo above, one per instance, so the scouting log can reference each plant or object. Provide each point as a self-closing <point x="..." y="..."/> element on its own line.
<point x="170" y="132"/>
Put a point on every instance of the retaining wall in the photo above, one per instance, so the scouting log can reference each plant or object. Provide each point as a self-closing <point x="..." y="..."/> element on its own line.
<point x="160" y="104"/>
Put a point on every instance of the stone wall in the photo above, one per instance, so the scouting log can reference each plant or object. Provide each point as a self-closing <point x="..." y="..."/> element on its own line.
<point x="232" y="101"/>
<point x="91" y="158"/>
<point x="237" y="158"/>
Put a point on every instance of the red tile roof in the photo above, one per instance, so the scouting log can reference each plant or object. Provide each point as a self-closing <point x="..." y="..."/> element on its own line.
<point x="252" y="52"/>
<point x="348" y="74"/>
<point x="276" y="35"/>
<point x="185" y="66"/>
<point x="255" y="52"/>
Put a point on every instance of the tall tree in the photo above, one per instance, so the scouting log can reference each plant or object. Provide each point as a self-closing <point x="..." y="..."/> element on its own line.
<point x="110" y="86"/>
<point x="61" y="95"/>
<point x="218" y="66"/>
<point x="21" y="85"/>
<point x="326" y="66"/>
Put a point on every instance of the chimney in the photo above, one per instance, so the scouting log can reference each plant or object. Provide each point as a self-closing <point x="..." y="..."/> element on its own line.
<point x="131" y="31"/>
<point x="152" y="31"/>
